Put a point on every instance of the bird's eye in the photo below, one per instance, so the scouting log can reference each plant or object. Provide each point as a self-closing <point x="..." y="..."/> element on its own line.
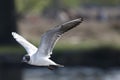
<point x="27" y="58"/>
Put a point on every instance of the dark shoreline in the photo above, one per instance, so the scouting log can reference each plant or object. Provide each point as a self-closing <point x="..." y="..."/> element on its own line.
<point x="104" y="57"/>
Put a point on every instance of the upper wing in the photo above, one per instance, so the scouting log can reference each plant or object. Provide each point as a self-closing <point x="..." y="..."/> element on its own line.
<point x="49" y="38"/>
<point x="31" y="49"/>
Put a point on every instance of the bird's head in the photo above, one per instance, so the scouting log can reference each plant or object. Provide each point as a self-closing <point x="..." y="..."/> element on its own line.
<point x="26" y="59"/>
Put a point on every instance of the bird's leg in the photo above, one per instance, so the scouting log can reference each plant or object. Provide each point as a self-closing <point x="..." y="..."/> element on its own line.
<point x="52" y="67"/>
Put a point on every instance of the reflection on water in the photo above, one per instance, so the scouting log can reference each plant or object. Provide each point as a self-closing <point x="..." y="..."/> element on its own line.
<point x="71" y="73"/>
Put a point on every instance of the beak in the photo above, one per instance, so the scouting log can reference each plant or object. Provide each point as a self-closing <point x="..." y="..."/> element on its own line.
<point x="23" y="61"/>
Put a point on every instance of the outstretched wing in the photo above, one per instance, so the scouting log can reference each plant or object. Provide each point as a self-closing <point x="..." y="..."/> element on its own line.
<point x="49" y="38"/>
<point x="31" y="49"/>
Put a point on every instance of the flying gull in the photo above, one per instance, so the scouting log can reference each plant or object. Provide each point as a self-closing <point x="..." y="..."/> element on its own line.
<point x="41" y="56"/>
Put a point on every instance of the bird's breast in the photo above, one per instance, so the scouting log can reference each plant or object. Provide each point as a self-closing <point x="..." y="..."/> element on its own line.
<point x="41" y="61"/>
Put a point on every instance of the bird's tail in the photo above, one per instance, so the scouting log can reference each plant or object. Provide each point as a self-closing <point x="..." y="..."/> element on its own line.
<point x="59" y="65"/>
<point x="52" y="67"/>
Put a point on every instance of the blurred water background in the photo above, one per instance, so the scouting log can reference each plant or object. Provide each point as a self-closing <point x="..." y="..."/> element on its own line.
<point x="91" y="51"/>
<point x="71" y="73"/>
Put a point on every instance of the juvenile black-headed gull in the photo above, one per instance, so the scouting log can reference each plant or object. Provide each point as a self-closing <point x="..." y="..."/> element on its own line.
<point x="40" y="56"/>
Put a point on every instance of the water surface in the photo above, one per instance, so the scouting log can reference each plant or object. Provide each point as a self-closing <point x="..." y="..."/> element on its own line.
<point x="71" y="73"/>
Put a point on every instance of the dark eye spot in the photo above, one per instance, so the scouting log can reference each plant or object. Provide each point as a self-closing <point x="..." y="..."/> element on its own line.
<point x="27" y="58"/>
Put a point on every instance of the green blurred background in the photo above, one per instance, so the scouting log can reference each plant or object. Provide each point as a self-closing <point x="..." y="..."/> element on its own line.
<point x="31" y="18"/>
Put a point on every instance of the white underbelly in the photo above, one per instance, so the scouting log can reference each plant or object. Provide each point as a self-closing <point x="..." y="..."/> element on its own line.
<point x="43" y="62"/>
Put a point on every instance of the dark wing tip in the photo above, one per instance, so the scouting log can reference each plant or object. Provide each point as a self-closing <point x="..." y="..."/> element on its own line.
<point x="79" y="20"/>
<point x="70" y="24"/>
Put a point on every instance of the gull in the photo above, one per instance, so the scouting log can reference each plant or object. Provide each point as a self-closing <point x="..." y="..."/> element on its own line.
<point x="41" y="56"/>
